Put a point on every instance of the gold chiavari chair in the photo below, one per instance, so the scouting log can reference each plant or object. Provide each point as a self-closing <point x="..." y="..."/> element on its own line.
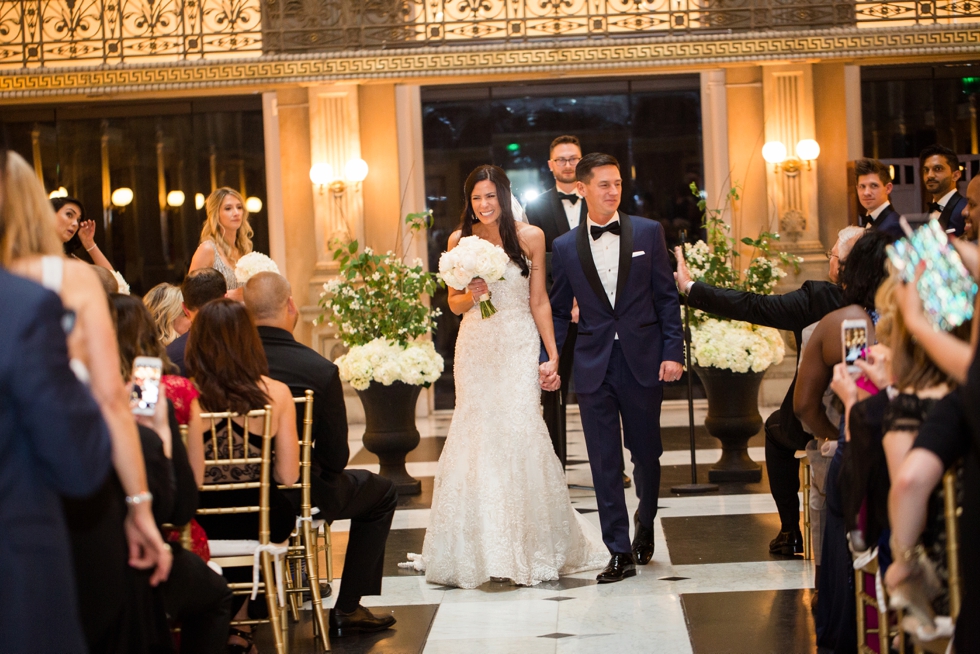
<point x="807" y="535"/>
<point x="888" y="626"/>
<point x="953" y="511"/>
<point x="303" y="550"/>
<point x="254" y="554"/>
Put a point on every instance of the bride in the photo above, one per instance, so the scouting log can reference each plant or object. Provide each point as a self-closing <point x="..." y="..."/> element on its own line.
<point x="500" y="507"/>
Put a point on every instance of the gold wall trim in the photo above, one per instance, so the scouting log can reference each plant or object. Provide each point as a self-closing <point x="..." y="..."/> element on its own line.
<point x="480" y="61"/>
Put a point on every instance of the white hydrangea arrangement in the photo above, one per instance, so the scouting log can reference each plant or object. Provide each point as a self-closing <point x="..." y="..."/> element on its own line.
<point x="378" y="307"/>
<point x="252" y="264"/>
<point x="474" y="257"/>
<point x="729" y="344"/>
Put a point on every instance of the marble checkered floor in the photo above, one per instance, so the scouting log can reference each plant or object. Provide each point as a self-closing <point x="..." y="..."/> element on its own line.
<point x="712" y="586"/>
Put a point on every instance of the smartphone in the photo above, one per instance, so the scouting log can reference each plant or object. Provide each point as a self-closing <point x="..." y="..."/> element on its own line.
<point x="146" y="385"/>
<point x="854" y="342"/>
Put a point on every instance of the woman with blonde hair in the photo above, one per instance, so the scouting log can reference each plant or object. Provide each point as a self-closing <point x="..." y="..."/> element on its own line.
<point x="226" y="236"/>
<point x="166" y="305"/>
<point x="31" y="248"/>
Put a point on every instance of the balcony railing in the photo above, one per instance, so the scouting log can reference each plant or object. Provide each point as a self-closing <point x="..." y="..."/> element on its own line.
<point x="72" y="32"/>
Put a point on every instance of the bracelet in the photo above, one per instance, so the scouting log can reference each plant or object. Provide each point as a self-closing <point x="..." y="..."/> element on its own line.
<point x="91" y="248"/>
<point x="910" y="555"/>
<point x="140" y="498"/>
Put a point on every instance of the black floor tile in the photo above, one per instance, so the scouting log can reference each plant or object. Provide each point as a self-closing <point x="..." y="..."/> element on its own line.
<point x="400" y="543"/>
<point x="721" y="538"/>
<point x="429" y="449"/>
<point x="420" y="501"/>
<point x="406" y="637"/>
<point x="750" y="622"/>
<point x="678" y="475"/>
<point x="679" y="438"/>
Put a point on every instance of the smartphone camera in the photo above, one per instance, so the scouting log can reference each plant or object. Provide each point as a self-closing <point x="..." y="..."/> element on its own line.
<point x="147" y="372"/>
<point x="854" y="342"/>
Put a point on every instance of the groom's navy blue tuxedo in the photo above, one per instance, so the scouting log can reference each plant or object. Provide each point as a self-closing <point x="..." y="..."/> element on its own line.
<point x="620" y="377"/>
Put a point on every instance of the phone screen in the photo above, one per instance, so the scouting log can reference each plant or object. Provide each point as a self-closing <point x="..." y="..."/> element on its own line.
<point x="855" y="341"/>
<point x="146" y="385"/>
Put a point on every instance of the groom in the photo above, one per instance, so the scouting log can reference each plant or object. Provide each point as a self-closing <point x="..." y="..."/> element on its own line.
<point x="629" y="342"/>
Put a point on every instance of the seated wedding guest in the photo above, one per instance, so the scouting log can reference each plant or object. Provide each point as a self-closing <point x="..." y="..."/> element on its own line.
<point x="53" y="442"/>
<point x="77" y="233"/>
<point x="874" y="185"/>
<point x="366" y="499"/>
<point x="194" y="595"/>
<point x="198" y="288"/>
<point x="860" y="276"/>
<point x="793" y="312"/>
<point x="166" y="305"/>
<point x="109" y="282"/>
<point x="226" y="361"/>
<point x="100" y="526"/>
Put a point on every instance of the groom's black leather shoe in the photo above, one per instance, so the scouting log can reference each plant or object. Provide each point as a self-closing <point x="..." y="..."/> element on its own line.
<point x="620" y="567"/>
<point x="642" y="542"/>
<point x="359" y="621"/>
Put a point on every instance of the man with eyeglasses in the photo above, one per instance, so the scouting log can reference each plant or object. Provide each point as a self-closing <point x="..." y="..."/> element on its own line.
<point x="556" y="211"/>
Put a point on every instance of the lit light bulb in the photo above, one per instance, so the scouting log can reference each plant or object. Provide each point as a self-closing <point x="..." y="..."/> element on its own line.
<point x="321" y="174"/>
<point x="122" y="196"/>
<point x="356" y="170"/>
<point x="253" y="204"/>
<point x="176" y="198"/>
<point x="808" y="149"/>
<point x="774" y="152"/>
<point x="199" y="201"/>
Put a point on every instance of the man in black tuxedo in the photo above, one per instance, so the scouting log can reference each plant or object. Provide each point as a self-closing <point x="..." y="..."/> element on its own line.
<point x="874" y="184"/>
<point x="556" y="211"/>
<point x="366" y="499"/>
<point x="199" y="287"/>
<point x="940" y="172"/>
<point x="793" y="312"/>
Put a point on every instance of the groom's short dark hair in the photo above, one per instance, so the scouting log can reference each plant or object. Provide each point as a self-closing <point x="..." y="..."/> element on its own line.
<point x="583" y="171"/>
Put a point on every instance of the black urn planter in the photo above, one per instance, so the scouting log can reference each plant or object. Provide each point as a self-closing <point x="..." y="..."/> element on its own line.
<point x="733" y="418"/>
<point x="390" y="432"/>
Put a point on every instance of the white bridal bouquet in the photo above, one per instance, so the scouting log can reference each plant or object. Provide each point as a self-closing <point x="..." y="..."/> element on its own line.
<point x="385" y="361"/>
<point x="471" y="258"/>
<point x="252" y="264"/>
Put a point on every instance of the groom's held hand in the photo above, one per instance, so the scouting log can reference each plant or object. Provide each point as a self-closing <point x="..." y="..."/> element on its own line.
<point x="670" y="371"/>
<point x="683" y="275"/>
<point x="574" y="311"/>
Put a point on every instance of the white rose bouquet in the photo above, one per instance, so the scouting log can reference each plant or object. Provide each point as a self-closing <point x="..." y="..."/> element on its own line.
<point x="252" y="264"/>
<point x="474" y="257"/>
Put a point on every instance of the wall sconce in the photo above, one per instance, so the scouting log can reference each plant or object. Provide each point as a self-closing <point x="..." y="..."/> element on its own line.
<point x="176" y="198"/>
<point x="198" y="201"/>
<point x="122" y="196"/>
<point x="60" y="192"/>
<point x="355" y="171"/>
<point x="253" y="204"/>
<point x="807" y="151"/>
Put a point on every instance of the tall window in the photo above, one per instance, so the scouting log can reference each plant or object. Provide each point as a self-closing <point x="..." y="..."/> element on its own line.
<point x="171" y="155"/>
<point x="652" y="126"/>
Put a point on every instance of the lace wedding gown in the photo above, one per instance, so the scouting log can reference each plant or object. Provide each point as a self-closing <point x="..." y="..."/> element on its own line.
<point x="500" y="507"/>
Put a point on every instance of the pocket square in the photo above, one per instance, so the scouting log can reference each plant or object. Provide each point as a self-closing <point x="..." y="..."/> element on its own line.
<point x="638" y="253"/>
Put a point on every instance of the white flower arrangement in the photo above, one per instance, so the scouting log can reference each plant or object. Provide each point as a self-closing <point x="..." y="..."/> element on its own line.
<point x="252" y="264"/>
<point x="385" y="362"/>
<point x="736" y="346"/>
<point x="473" y="257"/>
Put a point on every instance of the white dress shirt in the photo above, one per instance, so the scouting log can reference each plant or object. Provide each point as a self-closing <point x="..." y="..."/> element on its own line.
<point x="573" y="212"/>
<point x="605" y="254"/>
<point x="873" y="215"/>
<point x="934" y="215"/>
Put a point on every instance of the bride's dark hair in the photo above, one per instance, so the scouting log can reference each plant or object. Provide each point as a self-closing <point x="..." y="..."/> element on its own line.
<point x="508" y="230"/>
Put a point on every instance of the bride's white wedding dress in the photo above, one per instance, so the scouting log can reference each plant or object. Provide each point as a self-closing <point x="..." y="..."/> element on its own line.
<point x="500" y="507"/>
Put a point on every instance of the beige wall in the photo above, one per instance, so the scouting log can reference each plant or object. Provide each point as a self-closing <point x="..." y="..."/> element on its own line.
<point x="829" y="100"/>
<point x="745" y="139"/>
<point x="379" y="148"/>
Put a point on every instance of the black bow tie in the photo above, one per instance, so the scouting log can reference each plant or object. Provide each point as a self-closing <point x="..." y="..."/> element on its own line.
<point x="612" y="228"/>
<point x="571" y="197"/>
<point x="935" y="206"/>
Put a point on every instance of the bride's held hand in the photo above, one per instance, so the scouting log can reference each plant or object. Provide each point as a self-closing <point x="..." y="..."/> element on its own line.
<point x="478" y="288"/>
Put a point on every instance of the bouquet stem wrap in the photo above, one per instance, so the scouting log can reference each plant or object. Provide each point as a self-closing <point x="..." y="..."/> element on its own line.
<point x="486" y="306"/>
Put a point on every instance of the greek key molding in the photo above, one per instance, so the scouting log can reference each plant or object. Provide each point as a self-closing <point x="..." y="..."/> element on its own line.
<point x="478" y="62"/>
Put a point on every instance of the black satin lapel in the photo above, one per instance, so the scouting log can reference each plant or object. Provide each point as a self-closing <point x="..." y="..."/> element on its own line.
<point x="588" y="264"/>
<point x="558" y="213"/>
<point x="625" y="254"/>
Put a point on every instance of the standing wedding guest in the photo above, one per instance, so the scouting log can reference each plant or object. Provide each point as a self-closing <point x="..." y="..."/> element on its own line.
<point x="971" y="211"/>
<point x="53" y="442"/>
<point x="940" y="172"/>
<point x="166" y="305"/>
<point x="630" y="342"/>
<point x="874" y="185"/>
<point x="366" y="499"/>
<point x="556" y="211"/>
<point x="199" y="287"/>
<point x="793" y="312"/>
<point x="76" y="232"/>
<point x="226" y="236"/>
<point x="30" y="247"/>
